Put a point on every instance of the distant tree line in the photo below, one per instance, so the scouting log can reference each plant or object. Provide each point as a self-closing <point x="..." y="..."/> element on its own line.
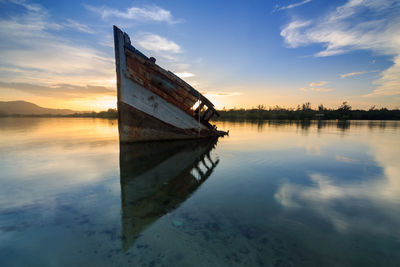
<point x="111" y="113"/>
<point x="305" y="112"/>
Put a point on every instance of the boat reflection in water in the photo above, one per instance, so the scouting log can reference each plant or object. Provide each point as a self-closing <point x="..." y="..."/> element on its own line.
<point x="156" y="177"/>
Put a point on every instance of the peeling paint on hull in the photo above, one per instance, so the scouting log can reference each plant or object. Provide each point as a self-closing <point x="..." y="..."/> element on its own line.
<point x="136" y="125"/>
<point x="154" y="104"/>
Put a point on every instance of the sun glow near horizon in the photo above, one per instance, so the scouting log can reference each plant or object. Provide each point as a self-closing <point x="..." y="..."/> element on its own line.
<point x="99" y="103"/>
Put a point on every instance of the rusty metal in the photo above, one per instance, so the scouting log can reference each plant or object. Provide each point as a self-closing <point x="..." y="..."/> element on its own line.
<point x="163" y="83"/>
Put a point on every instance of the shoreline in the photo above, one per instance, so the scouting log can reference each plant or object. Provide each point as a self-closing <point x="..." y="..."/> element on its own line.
<point x="227" y="119"/>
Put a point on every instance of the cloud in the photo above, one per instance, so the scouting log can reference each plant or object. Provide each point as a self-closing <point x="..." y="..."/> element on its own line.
<point x="156" y="43"/>
<point x="184" y="74"/>
<point x="316" y="87"/>
<point x="28" y="6"/>
<point x="345" y="29"/>
<point x="181" y="66"/>
<point x="169" y="57"/>
<point x="277" y="8"/>
<point x="389" y="83"/>
<point x="58" y="90"/>
<point x="147" y="13"/>
<point x="356" y="73"/>
<point x="35" y="18"/>
<point x="352" y="74"/>
<point x="79" y="26"/>
<point x="33" y="51"/>
<point x="357" y="25"/>
<point x="292" y="34"/>
<point x="317" y="84"/>
<point x="331" y="52"/>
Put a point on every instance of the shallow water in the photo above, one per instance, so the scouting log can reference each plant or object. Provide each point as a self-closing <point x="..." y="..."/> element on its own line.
<point x="270" y="194"/>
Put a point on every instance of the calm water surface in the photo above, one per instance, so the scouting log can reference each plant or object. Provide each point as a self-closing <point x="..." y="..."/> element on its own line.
<point x="270" y="194"/>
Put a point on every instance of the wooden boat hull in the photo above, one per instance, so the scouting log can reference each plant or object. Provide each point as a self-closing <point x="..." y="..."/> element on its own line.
<point x="136" y="125"/>
<point x="154" y="104"/>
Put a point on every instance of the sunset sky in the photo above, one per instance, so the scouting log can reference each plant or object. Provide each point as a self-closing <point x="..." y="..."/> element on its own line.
<point x="239" y="53"/>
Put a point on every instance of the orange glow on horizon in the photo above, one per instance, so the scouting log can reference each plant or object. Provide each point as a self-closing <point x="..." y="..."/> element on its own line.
<point x="221" y="99"/>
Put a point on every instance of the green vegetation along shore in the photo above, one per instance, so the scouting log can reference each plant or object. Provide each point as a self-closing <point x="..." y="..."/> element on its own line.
<point x="305" y="112"/>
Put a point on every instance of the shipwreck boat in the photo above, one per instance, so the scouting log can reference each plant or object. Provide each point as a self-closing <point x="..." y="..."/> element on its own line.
<point x="155" y="104"/>
<point x="157" y="177"/>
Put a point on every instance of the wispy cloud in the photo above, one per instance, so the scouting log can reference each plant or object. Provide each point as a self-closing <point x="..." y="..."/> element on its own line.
<point x="356" y="73"/>
<point x="389" y="83"/>
<point x="316" y="87"/>
<point x="352" y="74"/>
<point x="28" y="6"/>
<point x="184" y="74"/>
<point x="147" y="13"/>
<point x="58" y="90"/>
<point x="347" y="29"/>
<point x="317" y="84"/>
<point x="277" y="7"/>
<point x="156" y="43"/>
<point x="79" y="26"/>
<point x="293" y="35"/>
<point x="33" y="51"/>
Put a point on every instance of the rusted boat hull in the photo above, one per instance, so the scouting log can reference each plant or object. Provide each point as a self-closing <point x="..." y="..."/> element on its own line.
<point x="154" y="104"/>
<point x="136" y="125"/>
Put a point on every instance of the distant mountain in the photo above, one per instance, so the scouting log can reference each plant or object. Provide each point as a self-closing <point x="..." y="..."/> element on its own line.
<point x="27" y="108"/>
